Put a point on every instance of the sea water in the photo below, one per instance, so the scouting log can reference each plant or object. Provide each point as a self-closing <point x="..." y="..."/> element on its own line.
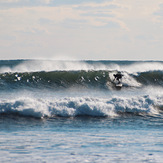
<point x="71" y="111"/>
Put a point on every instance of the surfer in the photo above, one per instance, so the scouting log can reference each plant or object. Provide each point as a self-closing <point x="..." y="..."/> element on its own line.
<point x="118" y="77"/>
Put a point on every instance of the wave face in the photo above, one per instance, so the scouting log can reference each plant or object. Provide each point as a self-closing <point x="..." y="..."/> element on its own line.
<point x="80" y="88"/>
<point x="54" y="79"/>
<point x="87" y="79"/>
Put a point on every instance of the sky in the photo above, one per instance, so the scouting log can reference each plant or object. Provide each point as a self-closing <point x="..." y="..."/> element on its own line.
<point x="81" y="29"/>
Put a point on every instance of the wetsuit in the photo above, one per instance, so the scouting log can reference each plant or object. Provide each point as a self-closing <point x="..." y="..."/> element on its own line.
<point x="118" y="77"/>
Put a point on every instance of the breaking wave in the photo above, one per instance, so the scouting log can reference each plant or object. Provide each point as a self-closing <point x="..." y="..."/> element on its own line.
<point x="82" y="106"/>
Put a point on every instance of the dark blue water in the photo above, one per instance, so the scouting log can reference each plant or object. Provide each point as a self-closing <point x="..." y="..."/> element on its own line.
<point x="62" y="111"/>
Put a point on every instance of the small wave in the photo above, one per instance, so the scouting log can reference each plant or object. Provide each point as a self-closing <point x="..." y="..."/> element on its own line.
<point x="81" y="106"/>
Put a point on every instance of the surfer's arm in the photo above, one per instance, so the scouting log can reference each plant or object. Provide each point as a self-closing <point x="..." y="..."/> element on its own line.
<point x="114" y="77"/>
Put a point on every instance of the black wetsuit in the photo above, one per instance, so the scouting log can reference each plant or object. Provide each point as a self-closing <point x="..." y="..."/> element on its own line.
<point x="118" y="77"/>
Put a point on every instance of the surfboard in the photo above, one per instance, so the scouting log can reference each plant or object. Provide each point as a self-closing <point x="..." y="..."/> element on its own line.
<point x="119" y="85"/>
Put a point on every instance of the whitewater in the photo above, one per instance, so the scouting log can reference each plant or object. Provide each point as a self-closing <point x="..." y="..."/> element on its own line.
<point x="71" y="111"/>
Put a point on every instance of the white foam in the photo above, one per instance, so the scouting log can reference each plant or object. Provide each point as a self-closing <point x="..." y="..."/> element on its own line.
<point x="25" y="106"/>
<point x="130" y="81"/>
<point x="127" y="81"/>
<point x="79" y="106"/>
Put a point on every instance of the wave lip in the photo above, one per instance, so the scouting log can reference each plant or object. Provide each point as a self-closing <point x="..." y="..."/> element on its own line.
<point x="54" y="65"/>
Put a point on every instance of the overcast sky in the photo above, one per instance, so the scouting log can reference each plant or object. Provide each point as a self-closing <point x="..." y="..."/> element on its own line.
<point x="81" y="29"/>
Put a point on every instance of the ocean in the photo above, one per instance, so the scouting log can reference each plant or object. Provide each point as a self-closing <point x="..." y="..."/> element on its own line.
<point x="72" y="111"/>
